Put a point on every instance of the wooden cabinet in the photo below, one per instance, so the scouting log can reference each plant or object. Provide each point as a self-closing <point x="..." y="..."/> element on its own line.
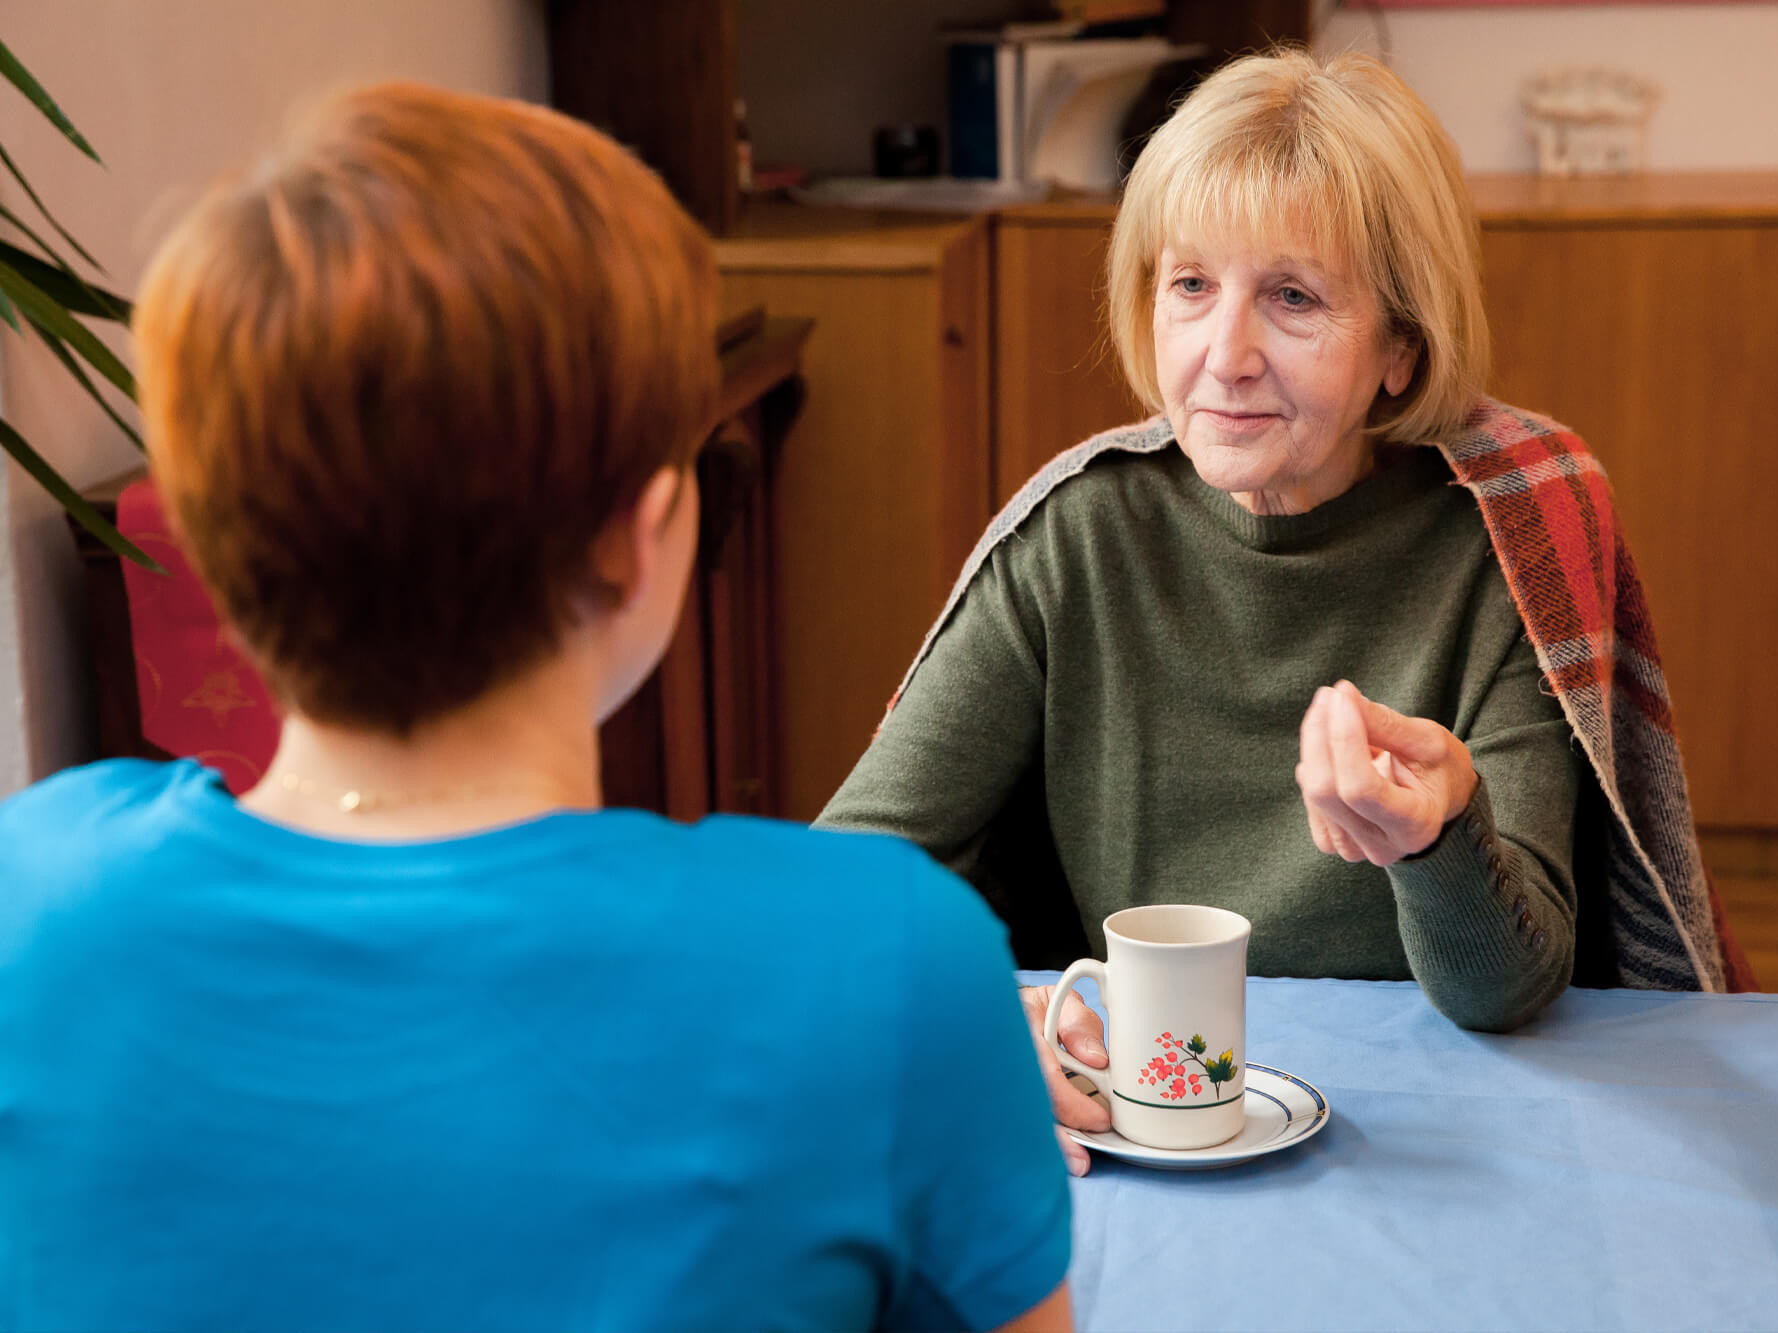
<point x="1630" y="310"/>
<point x="884" y="486"/>
<point x="701" y="734"/>
<point x="1057" y="378"/>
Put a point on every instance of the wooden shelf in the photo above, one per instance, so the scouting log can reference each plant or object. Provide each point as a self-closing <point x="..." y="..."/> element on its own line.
<point x="1065" y="206"/>
<point x="1507" y="199"/>
<point x="760" y="362"/>
<point x="776" y="237"/>
<point x="1680" y="198"/>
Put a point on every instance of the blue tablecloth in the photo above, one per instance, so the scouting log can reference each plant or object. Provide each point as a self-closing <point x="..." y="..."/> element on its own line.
<point x="1613" y="1165"/>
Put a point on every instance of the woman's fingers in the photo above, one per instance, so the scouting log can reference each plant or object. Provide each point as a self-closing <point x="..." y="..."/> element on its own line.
<point x="1077" y="1159"/>
<point x="1069" y="1104"/>
<point x="1359" y="804"/>
<point x="1361" y="787"/>
<point x="1415" y="739"/>
<point x="1081" y="1033"/>
<point x="1345" y="846"/>
<point x="1340" y="778"/>
<point x="1432" y="768"/>
<point x="1314" y="771"/>
<point x="1315" y="778"/>
<point x="1318" y="831"/>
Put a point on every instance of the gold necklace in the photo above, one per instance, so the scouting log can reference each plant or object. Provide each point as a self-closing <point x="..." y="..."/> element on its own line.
<point x="359" y="801"/>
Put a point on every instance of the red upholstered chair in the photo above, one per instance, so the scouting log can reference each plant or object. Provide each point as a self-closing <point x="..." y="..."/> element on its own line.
<point x="199" y="696"/>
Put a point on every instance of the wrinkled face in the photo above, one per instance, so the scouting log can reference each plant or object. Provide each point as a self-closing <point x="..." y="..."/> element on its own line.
<point x="1268" y="364"/>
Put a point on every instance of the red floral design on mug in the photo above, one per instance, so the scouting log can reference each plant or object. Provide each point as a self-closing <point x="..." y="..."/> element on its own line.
<point x="1169" y="1070"/>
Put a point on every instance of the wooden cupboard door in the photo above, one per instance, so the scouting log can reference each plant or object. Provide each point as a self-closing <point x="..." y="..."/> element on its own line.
<point x="870" y="527"/>
<point x="1657" y="345"/>
<point x="1057" y="378"/>
<point x="966" y="404"/>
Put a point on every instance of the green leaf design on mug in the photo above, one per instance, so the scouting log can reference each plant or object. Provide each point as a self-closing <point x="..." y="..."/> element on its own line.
<point x="1222" y="1069"/>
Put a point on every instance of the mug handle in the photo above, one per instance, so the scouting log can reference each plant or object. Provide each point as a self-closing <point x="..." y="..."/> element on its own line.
<point x="1083" y="967"/>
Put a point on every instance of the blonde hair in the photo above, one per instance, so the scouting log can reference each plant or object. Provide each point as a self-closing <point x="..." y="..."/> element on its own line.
<point x="1285" y="148"/>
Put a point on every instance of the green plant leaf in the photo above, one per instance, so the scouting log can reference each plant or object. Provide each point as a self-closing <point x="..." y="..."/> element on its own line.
<point x="84" y="514"/>
<point x="66" y="357"/>
<point x="48" y="314"/>
<point x="66" y="269"/>
<point x="69" y="290"/>
<point x="61" y="231"/>
<point x="20" y="77"/>
<point x="49" y="295"/>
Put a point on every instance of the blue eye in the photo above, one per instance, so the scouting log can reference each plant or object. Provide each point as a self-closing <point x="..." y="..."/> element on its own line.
<point x="1190" y="285"/>
<point x="1295" y="297"/>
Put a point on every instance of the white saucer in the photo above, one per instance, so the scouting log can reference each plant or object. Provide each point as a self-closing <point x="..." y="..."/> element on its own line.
<point x="1281" y="1110"/>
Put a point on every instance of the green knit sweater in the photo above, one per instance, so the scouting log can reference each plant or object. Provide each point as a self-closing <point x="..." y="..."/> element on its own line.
<point x="1141" y="651"/>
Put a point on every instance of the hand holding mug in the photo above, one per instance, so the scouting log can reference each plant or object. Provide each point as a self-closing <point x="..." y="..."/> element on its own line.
<point x="1174" y="985"/>
<point x="1082" y="1035"/>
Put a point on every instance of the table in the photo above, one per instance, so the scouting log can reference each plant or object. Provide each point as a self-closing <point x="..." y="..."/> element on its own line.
<point x="1612" y="1165"/>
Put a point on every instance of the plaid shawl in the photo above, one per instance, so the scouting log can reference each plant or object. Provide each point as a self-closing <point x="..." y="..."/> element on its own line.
<point x="1549" y="513"/>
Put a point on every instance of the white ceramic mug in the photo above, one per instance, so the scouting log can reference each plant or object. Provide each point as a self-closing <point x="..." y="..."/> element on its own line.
<point x="1174" y="985"/>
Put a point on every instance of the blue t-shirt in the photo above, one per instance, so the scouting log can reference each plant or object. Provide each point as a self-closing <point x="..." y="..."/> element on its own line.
<point x="596" y="1070"/>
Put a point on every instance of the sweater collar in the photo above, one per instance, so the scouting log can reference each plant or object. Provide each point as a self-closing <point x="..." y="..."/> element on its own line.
<point x="1397" y="480"/>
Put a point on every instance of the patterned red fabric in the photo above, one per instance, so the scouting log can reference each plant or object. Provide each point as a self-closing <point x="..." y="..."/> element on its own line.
<point x="1549" y="511"/>
<point x="1737" y="967"/>
<point x="199" y="697"/>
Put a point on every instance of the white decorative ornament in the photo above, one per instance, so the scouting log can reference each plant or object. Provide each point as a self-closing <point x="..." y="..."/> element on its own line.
<point x="1589" y="121"/>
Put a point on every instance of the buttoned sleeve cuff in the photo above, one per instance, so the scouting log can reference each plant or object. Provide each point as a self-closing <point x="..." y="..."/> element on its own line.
<point x="1463" y="908"/>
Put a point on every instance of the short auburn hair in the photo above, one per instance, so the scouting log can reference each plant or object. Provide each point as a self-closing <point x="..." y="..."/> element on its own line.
<point x="1281" y="148"/>
<point x="398" y="377"/>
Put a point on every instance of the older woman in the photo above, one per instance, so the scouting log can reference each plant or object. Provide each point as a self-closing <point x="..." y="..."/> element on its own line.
<point x="416" y="1034"/>
<point x="1261" y="652"/>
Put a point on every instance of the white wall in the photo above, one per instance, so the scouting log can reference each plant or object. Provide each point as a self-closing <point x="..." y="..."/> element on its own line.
<point x="1716" y="64"/>
<point x="169" y="92"/>
<point x="14" y="765"/>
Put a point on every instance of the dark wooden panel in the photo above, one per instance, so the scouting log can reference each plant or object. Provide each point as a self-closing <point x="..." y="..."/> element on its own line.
<point x="660" y="76"/>
<point x="1229" y="27"/>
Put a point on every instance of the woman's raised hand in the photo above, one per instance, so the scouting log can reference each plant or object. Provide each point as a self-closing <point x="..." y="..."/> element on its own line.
<point x="1083" y="1036"/>
<point x="1378" y="786"/>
